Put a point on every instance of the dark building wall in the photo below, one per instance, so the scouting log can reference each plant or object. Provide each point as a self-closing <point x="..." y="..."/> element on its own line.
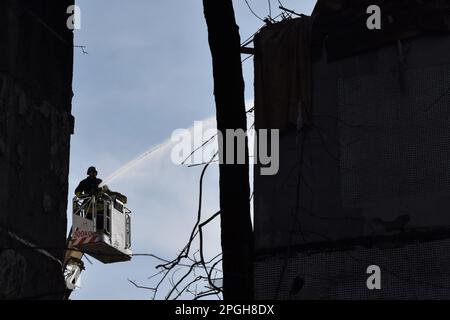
<point x="409" y="271"/>
<point x="374" y="176"/>
<point x="36" y="60"/>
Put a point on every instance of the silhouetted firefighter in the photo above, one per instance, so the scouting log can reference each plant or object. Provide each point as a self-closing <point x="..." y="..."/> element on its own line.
<point x="237" y="235"/>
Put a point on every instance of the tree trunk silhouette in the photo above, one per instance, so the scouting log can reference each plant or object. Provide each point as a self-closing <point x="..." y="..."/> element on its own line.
<point x="35" y="127"/>
<point x="236" y="228"/>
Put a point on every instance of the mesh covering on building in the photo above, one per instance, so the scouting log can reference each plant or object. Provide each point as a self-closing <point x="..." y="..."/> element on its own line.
<point x="395" y="134"/>
<point x="415" y="271"/>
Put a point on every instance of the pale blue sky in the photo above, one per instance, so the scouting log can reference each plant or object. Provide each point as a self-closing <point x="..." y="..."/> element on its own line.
<point x="148" y="72"/>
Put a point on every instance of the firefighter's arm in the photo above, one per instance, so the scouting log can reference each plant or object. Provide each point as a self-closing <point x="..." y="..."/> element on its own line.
<point x="79" y="189"/>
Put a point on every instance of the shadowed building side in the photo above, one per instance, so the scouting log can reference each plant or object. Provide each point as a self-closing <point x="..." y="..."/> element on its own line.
<point x="364" y="176"/>
<point x="36" y="62"/>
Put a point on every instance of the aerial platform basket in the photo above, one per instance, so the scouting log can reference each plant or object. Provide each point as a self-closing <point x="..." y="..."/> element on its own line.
<point x="101" y="227"/>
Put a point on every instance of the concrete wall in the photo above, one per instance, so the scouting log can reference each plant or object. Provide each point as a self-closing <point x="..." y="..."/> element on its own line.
<point x="373" y="167"/>
<point x="35" y="127"/>
<point x="410" y="271"/>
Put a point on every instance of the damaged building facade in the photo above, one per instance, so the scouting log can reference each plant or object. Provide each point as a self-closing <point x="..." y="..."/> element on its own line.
<point x="364" y="173"/>
<point x="35" y="127"/>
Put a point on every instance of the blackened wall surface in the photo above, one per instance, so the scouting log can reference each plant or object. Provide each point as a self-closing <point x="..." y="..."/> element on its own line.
<point x="373" y="167"/>
<point x="411" y="271"/>
<point x="36" y="59"/>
